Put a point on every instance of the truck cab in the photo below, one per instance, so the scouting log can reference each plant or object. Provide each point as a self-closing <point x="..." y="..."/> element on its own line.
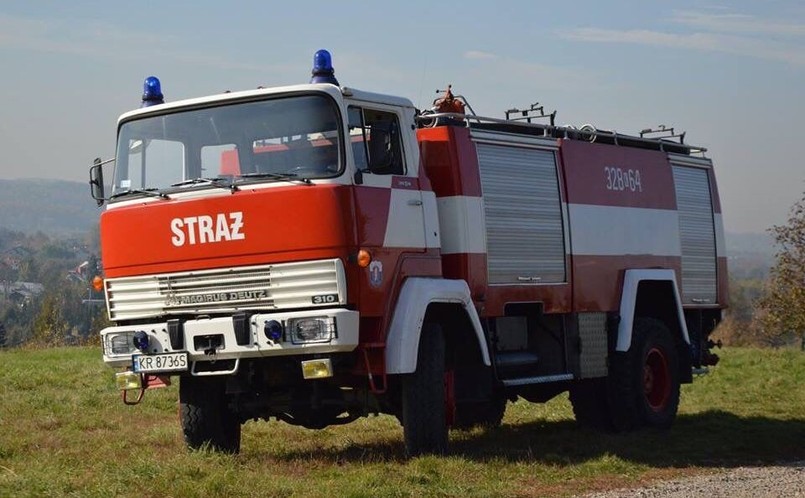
<point x="270" y="176"/>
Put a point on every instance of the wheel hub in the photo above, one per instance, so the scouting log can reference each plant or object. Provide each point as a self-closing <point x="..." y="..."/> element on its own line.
<point x="656" y="380"/>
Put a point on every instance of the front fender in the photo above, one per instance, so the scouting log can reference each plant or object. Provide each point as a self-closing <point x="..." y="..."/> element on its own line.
<point x="402" y="344"/>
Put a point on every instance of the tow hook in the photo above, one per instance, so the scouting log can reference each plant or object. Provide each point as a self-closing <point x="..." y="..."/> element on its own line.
<point x="140" y="394"/>
<point x="210" y="344"/>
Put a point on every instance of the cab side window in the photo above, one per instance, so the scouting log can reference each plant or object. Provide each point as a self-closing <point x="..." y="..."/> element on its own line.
<point x="375" y="139"/>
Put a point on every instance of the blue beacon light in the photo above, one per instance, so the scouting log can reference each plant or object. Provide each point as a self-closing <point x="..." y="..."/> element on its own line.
<point x="323" y="71"/>
<point x="152" y="92"/>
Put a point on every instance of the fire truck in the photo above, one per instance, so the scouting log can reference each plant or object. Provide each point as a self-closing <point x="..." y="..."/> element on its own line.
<point x="316" y="253"/>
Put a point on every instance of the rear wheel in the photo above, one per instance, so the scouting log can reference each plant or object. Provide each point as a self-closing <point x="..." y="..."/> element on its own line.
<point x="206" y="416"/>
<point x="658" y="378"/>
<point x="644" y="383"/>
<point x="423" y="397"/>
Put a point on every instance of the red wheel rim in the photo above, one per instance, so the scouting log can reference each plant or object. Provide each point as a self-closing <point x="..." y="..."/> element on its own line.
<point x="656" y="380"/>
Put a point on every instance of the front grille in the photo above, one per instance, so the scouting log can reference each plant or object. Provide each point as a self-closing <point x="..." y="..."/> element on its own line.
<point x="267" y="287"/>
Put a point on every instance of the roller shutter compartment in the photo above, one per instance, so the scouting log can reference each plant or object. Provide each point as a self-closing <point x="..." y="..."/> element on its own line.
<point x="524" y="239"/>
<point x="696" y="234"/>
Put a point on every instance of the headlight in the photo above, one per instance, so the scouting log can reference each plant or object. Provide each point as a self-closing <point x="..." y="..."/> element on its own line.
<point x="316" y="329"/>
<point x="121" y="343"/>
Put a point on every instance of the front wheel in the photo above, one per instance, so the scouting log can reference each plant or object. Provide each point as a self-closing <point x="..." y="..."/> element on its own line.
<point x="423" y="397"/>
<point x="206" y="417"/>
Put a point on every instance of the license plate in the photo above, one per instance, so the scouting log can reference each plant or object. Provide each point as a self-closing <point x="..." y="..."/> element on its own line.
<point x="167" y="362"/>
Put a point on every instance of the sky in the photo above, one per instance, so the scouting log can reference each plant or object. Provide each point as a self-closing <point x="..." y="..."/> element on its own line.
<point x="731" y="75"/>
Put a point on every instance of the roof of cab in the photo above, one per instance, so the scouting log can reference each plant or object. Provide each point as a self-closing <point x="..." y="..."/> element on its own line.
<point x="223" y="98"/>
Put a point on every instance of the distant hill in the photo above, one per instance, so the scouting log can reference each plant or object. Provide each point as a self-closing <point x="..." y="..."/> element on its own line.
<point x="758" y="243"/>
<point x="53" y="207"/>
<point x="750" y="255"/>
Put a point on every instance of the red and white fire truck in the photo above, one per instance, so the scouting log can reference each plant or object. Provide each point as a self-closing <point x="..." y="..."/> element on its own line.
<point x="315" y="253"/>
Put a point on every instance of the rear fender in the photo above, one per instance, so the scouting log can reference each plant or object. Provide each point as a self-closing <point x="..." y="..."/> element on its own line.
<point x="631" y="281"/>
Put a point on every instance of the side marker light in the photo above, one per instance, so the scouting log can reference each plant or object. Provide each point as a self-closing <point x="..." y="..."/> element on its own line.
<point x="364" y="258"/>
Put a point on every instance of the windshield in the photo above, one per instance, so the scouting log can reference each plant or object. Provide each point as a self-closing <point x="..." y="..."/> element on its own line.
<point x="283" y="138"/>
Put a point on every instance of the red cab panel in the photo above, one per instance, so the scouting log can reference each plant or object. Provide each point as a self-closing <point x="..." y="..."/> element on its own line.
<point x="270" y="225"/>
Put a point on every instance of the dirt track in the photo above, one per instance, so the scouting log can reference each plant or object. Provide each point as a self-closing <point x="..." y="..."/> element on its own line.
<point x="786" y="480"/>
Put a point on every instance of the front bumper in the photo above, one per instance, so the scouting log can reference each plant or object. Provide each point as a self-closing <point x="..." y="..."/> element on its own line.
<point x="212" y="339"/>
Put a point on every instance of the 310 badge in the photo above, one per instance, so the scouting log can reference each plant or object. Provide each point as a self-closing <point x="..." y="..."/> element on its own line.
<point x="325" y="299"/>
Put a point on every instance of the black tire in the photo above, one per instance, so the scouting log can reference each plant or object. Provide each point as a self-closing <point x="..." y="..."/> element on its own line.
<point x="620" y="391"/>
<point x="487" y="414"/>
<point x="644" y="383"/>
<point x="423" y="397"/>
<point x="591" y="404"/>
<point x="207" y="419"/>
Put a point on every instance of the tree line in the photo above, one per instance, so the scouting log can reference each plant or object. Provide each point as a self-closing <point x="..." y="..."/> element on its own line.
<point x="771" y="311"/>
<point x="46" y="295"/>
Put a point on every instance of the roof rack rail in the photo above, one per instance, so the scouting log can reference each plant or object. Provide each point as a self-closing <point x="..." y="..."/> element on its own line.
<point x="588" y="133"/>
<point x="666" y="133"/>
<point x="528" y="114"/>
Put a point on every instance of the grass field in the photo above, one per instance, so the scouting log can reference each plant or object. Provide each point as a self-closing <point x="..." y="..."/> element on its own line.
<point x="64" y="431"/>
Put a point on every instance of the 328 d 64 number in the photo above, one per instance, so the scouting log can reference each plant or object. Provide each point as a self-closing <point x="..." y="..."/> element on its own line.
<point x="620" y="180"/>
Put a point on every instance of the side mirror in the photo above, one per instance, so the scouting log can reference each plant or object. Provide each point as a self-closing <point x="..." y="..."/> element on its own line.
<point x="96" y="180"/>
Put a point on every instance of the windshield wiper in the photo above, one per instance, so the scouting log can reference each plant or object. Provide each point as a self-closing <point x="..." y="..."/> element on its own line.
<point x="278" y="176"/>
<point x="150" y="192"/>
<point x="215" y="182"/>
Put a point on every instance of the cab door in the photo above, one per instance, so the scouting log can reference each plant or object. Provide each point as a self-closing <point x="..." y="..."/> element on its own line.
<point x="390" y="203"/>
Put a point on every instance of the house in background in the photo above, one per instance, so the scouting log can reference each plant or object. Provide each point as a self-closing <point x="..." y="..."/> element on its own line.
<point x="22" y="293"/>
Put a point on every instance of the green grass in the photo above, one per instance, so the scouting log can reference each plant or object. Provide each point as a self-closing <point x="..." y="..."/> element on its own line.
<point x="64" y="431"/>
